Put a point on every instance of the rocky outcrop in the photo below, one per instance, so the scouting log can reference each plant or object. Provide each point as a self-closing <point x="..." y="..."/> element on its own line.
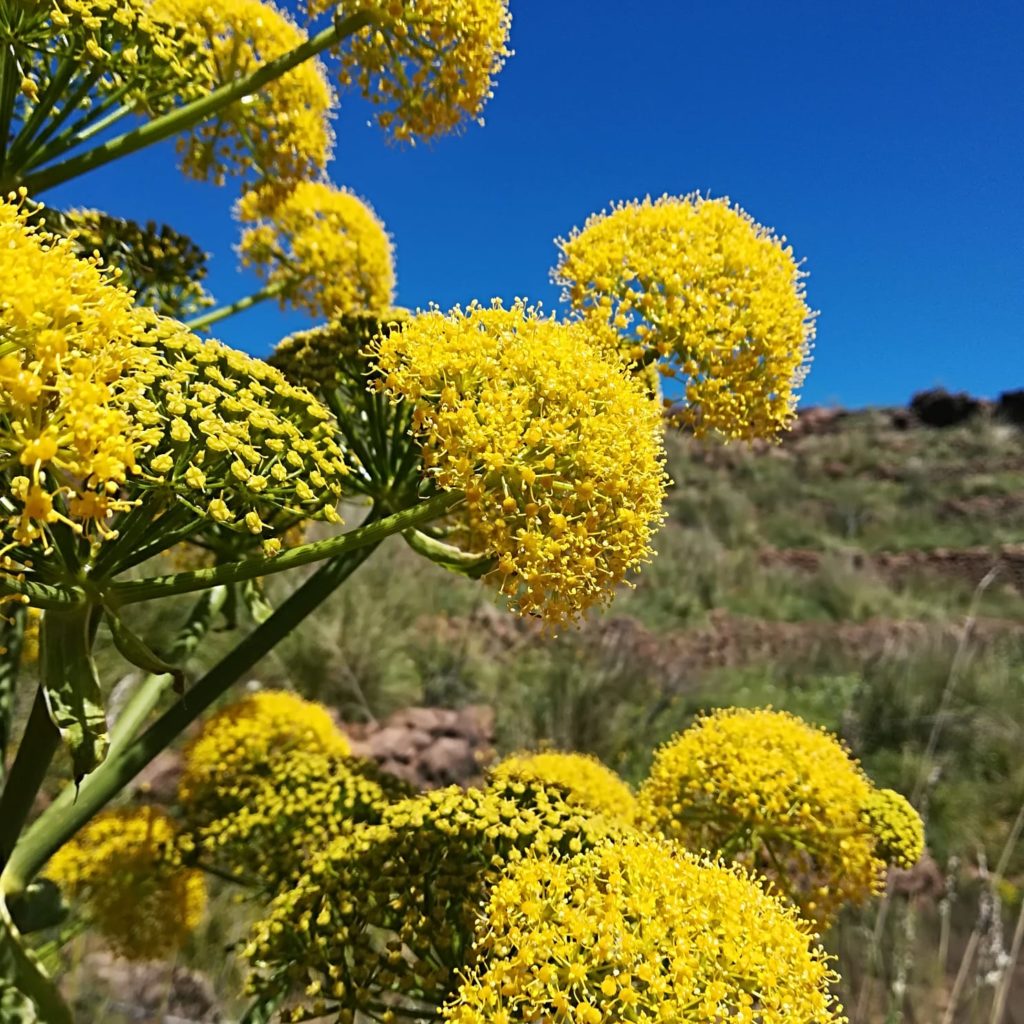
<point x="1010" y="407"/>
<point x="939" y="408"/>
<point x="429" y="747"/>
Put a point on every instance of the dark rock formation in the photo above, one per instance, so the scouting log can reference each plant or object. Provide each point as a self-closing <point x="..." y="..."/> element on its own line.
<point x="940" y="408"/>
<point x="1010" y="407"/>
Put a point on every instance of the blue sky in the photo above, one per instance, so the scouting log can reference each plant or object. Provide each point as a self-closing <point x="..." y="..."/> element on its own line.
<point x="886" y="140"/>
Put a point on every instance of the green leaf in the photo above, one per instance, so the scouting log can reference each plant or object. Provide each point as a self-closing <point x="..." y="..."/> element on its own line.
<point x="449" y="557"/>
<point x="135" y="650"/>
<point x="256" y="601"/>
<point x="71" y="686"/>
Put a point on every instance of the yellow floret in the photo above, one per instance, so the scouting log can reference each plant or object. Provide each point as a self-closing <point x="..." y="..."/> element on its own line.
<point x="103" y="404"/>
<point x="323" y="247"/>
<point x="586" y="782"/>
<point x="429" y="64"/>
<point x="700" y="285"/>
<point x="559" y="452"/>
<point x="386" y="914"/>
<point x="639" y="931"/>
<point x="245" y="736"/>
<point x="774" y="793"/>
<point x="896" y="826"/>
<point x="125" y="869"/>
<point x="281" y="132"/>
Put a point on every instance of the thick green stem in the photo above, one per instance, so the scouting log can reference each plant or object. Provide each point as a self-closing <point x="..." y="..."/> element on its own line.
<point x="40" y="595"/>
<point x="27" y="975"/>
<point x="183" y="118"/>
<point x="12" y="642"/>
<point x="132" y="591"/>
<point x="35" y="752"/>
<point x="149" y="690"/>
<point x="66" y="815"/>
<point x="222" y="313"/>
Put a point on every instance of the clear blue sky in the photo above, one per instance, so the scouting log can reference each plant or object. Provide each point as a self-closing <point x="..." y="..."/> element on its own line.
<point x="886" y="140"/>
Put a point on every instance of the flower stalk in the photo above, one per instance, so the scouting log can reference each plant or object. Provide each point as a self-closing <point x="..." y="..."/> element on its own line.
<point x="66" y="815"/>
<point x="185" y="117"/>
<point x="214" y="316"/>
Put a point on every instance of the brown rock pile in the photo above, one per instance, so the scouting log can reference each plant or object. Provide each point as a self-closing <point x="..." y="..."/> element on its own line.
<point x="430" y="747"/>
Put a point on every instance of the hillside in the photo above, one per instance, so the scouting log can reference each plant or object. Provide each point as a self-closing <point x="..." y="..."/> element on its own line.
<point x="867" y="574"/>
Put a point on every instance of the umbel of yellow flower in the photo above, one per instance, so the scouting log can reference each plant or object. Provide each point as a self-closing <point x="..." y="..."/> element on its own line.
<point x="429" y="64"/>
<point x="335" y="355"/>
<point x="322" y="247"/>
<point x="385" y="915"/>
<point x="163" y="268"/>
<point x="125" y="869"/>
<point x="282" y="132"/>
<point x="272" y="816"/>
<point x="585" y="781"/>
<point x="896" y="826"/>
<point x="699" y="284"/>
<point x="558" y="450"/>
<point x="104" y="406"/>
<point x="776" y="794"/>
<point x="112" y="48"/>
<point x="639" y="931"/>
<point x="243" y="737"/>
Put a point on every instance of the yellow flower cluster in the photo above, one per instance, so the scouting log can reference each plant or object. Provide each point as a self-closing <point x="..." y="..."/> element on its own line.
<point x="282" y="133"/>
<point x="430" y="64"/>
<point x="720" y="299"/>
<point x="323" y="247"/>
<point x="163" y="268"/>
<point x="126" y="870"/>
<point x="243" y="737"/>
<point x="121" y="47"/>
<point x="271" y="817"/>
<point x="640" y="931"/>
<point x="335" y="355"/>
<point x="559" y="452"/>
<point x="896" y="826"/>
<point x="102" y="402"/>
<point x="584" y="780"/>
<point x="385" y="916"/>
<point x="774" y="793"/>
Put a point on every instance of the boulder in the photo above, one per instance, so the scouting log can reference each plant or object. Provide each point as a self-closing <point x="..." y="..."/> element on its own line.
<point x="1010" y="407"/>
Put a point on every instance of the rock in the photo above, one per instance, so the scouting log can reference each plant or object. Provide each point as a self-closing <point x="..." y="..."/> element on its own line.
<point x="448" y="760"/>
<point x="1010" y="407"/>
<point x="816" y="419"/>
<point x="939" y="408"/>
<point x="429" y="747"/>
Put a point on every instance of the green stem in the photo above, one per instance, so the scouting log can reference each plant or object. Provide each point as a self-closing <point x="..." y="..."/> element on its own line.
<point x="68" y="813"/>
<point x="12" y="637"/>
<point x="132" y="591"/>
<point x="150" y="689"/>
<point x="35" y="752"/>
<point x="28" y="976"/>
<point x="215" y="315"/>
<point x="40" y="595"/>
<point x="183" y="118"/>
